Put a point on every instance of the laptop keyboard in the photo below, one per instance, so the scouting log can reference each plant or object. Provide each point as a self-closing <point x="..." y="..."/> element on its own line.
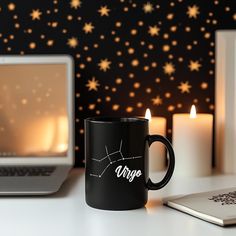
<point x="26" y="171"/>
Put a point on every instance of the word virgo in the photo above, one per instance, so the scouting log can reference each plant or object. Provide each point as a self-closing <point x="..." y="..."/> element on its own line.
<point x="127" y="173"/>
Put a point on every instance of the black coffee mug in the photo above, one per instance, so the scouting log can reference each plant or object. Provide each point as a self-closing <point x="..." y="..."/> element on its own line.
<point x="116" y="152"/>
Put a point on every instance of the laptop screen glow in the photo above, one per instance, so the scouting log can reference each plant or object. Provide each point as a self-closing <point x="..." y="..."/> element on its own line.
<point x="33" y="110"/>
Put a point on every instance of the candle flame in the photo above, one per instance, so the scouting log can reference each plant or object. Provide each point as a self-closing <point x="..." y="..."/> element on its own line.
<point x="193" y="113"/>
<point x="148" y="114"/>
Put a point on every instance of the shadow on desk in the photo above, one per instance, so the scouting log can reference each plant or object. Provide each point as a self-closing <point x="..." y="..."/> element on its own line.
<point x="68" y="184"/>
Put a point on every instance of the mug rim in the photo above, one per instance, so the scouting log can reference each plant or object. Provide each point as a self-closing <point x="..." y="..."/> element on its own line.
<point x="110" y="119"/>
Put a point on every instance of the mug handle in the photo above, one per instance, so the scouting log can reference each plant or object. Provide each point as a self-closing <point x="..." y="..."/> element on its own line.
<point x="158" y="138"/>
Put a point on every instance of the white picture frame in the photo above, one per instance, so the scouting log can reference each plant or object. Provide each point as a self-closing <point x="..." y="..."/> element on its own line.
<point x="225" y="101"/>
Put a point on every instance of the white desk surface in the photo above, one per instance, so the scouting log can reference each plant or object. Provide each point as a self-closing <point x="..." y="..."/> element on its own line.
<point x="66" y="213"/>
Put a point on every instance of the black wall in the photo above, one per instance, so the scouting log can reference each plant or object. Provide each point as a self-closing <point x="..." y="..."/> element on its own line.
<point x="157" y="54"/>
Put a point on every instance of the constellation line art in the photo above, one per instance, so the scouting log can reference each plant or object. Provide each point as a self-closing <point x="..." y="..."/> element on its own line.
<point x="109" y="158"/>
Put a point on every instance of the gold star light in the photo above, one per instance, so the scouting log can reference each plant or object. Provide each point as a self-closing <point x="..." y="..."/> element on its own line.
<point x="193" y="11"/>
<point x="148" y="7"/>
<point x="104" y="11"/>
<point x="50" y="42"/>
<point x="184" y="87"/>
<point x="92" y="84"/>
<point x="169" y="68"/>
<point x="75" y="4"/>
<point x="157" y="101"/>
<point x="88" y="28"/>
<point x="11" y="6"/>
<point x="72" y="42"/>
<point x="35" y="14"/>
<point x="204" y="85"/>
<point x="32" y="45"/>
<point x="234" y="16"/>
<point x="153" y="30"/>
<point x="115" y="107"/>
<point x="92" y="106"/>
<point x="194" y="65"/>
<point x="104" y="65"/>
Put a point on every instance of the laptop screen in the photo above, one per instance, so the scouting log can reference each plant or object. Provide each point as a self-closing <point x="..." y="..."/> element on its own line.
<point x="33" y="110"/>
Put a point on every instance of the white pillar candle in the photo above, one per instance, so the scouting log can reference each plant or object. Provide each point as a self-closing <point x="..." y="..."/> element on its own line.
<point x="157" y="153"/>
<point x="192" y="143"/>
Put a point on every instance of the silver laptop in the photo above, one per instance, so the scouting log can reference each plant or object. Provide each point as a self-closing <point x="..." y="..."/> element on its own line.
<point x="36" y="123"/>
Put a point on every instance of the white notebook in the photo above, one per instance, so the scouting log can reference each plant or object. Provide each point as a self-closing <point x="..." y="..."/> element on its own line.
<point x="218" y="207"/>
